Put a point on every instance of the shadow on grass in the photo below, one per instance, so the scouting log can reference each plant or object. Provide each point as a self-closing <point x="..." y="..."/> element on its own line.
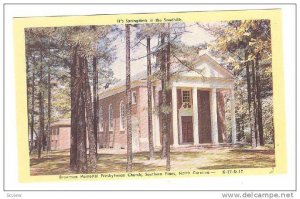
<point x="117" y="163"/>
<point x="57" y="162"/>
<point x="36" y="161"/>
<point x="48" y="168"/>
<point x="244" y="158"/>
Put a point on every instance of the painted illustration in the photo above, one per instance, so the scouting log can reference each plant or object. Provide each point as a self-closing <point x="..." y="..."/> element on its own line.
<point x="141" y="97"/>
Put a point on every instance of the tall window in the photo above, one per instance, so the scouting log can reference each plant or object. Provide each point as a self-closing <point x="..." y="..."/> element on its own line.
<point x="100" y="119"/>
<point x="133" y="97"/>
<point x="122" y="116"/>
<point x="111" y="118"/>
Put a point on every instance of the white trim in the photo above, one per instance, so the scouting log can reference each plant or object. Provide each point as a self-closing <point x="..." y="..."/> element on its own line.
<point x="195" y="116"/>
<point x="216" y="65"/>
<point x="204" y="84"/>
<point x="156" y="130"/>
<point x="213" y="117"/>
<point x="101" y="129"/>
<point x="122" y="126"/>
<point x="153" y="116"/>
<point x="139" y="79"/>
<point x="174" y="116"/>
<point x="122" y="88"/>
<point x="183" y="112"/>
<point x="233" y="122"/>
<point x="134" y="99"/>
<point x="110" y="117"/>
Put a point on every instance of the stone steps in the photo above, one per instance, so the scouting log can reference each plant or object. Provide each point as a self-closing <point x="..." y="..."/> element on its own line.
<point x="202" y="146"/>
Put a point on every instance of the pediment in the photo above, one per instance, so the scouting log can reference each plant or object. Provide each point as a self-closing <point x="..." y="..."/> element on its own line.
<point x="207" y="67"/>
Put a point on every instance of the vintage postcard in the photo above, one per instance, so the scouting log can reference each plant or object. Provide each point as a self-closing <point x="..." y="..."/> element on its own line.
<point x="158" y="95"/>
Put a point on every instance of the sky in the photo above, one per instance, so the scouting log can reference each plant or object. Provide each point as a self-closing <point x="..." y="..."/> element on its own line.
<point x="193" y="36"/>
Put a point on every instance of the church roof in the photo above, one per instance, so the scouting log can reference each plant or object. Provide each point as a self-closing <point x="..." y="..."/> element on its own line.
<point x="141" y="77"/>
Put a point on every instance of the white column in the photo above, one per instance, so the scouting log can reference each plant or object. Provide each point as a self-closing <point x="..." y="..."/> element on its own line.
<point x="233" y="124"/>
<point x="195" y="117"/>
<point x="174" y="116"/>
<point x="156" y="130"/>
<point x="213" y="115"/>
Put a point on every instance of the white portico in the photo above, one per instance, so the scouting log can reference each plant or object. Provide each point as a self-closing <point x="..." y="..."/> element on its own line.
<point x="198" y="105"/>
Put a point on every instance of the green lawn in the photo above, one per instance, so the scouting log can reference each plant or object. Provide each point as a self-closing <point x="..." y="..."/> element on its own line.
<point x="57" y="162"/>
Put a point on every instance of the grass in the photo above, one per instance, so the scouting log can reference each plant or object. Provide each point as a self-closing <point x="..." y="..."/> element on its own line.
<point x="57" y="162"/>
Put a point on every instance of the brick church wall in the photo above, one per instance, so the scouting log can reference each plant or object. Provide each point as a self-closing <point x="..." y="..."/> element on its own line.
<point x="117" y="138"/>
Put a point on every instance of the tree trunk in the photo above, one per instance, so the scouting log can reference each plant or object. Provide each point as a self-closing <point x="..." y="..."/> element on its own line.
<point x="95" y="99"/>
<point x="43" y="116"/>
<point x="253" y="142"/>
<point x="81" y="123"/>
<point x="39" y="137"/>
<point x="149" y="89"/>
<point x="255" y="104"/>
<point x="89" y="120"/>
<point x="222" y="134"/>
<point x="168" y="66"/>
<point x="164" y="99"/>
<point x="242" y="132"/>
<point x="32" y="112"/>
<point x="41" y="109"/>
<point x="74" y="109"/>
<point x="49" y="109"/>
<point x="28" y="93"/>
<point x="129" y="102"/>
<point x="259" y="104"/>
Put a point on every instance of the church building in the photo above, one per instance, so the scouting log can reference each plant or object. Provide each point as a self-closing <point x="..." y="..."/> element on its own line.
<point x="198" y="108"/>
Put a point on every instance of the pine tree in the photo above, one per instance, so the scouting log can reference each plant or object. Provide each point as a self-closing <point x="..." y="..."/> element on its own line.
<point x="149" y="89"/>
<point x="128" y="101"/>
<point x="89" y="119"/>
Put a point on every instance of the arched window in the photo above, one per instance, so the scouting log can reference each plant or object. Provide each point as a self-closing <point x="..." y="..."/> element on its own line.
<point x="111" y="118"/>
<point x="122" y="116"/>
<point x="100" y="119"/>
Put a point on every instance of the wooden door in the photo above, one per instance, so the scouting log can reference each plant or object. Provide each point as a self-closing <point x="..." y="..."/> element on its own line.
<point x="204" y="117"/>
<point x="187" y="129"/>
